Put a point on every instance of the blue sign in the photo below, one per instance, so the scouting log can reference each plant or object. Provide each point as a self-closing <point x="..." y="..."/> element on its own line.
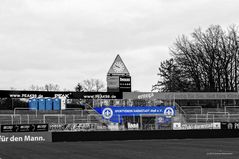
<point x="115" y="113"/>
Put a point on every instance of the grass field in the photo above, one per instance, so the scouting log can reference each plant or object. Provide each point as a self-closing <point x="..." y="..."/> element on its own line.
<point x="140" y="149"/>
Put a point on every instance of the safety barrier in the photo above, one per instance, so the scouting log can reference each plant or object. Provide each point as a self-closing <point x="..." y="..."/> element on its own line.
<point x="90" y="132"/>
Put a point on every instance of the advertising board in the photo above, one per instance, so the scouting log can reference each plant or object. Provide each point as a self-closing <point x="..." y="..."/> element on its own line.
<point x="58" y="94"/>
<point x="73" y="127"/>
<point x="181" y="95"/>
<point x="230" y="125"/>
<point x="216" y="125"/>
<point x="196" y="126"/>
<point x="176" y="126"/>
<point x="24" y="128"/>
<point x="132" y="126"/>
<point x="115" y="113"/>
<point x="57" y="127"/>
<point x="113" y="126"/>
<point x="26" y="137"/>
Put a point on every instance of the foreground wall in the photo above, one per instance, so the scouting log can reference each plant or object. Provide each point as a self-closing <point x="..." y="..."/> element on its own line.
<point x="142" y="135"/>
<point x="17" y="137"/>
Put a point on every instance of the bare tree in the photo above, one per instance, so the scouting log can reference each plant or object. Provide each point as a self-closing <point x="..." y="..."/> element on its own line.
<point x="46" y="87"/>
<point x="208" y="60"/>
<point x="79" y="88"/>
<point x="36" y="88"/>
<point x="91" y="85"/>
<point x="173" y="78"/>
<point x="99" y="85"/>
<point x="52" y="87"/>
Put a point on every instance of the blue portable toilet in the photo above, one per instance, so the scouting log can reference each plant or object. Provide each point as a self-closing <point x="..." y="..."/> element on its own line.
<point x="41" y="104"/>
<point x="33" y="103"/>
<point x="29" y="103"/>
<point x="48" y="104"/>
<point x="56" y="104"/>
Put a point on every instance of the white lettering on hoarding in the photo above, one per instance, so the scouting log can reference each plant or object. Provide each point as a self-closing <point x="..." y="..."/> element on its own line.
<point x="3" y="138"/>
<point x="33" y="138"/>
<point x="125" y="79"/>
<point x="197" y="126"/>
<point x="179" y="126"/>
<point x="133" y="126"/>
<point x="113" y="127"/>
<point x="62" y="95"/>
<point x="139" y="111"/>
<point x="236" y="125"/>
<point x="25" y="138"/>
<point x="100" y="96"/>
<point x="145" y="96"/>
<point x="16" y="138"/>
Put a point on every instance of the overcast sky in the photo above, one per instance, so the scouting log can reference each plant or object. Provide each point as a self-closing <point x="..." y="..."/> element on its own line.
<point x="67" y="41"/>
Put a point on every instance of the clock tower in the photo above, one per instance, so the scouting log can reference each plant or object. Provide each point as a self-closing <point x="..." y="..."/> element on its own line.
<point x="118" y="77"/>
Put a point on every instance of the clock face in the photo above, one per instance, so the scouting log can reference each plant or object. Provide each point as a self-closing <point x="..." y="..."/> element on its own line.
<point x="118" y="67"/>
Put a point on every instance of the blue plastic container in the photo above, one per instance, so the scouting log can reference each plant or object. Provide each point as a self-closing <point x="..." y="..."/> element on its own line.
<point x="49" y="104"/>
<point x="29" y="103"/>
<point x="41" y="104"/>
<point x="33" y="103"/>
<point x="56" y="104"/>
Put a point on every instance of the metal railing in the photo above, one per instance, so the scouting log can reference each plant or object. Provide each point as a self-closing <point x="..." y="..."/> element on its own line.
<point x="192" y="108"/>
<point x="227" y="109"/>
<point x="27" y="109"/>
<point x="75" y="116"/>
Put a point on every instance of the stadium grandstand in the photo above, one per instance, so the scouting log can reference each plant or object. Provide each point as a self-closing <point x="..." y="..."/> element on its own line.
<point x="92" y="111"/>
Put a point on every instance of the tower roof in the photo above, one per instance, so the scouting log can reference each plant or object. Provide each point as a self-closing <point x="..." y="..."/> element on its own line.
<point x="118" y="67"/>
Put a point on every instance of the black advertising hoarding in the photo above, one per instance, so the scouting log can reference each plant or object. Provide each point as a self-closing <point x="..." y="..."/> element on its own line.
<point x="70" y="95"/>
<point x="24" y="128"/>
<point x="127" y="95"/>
<point x="41" y="127"/>
<point x="97" y="95"/>
<point x="230" y="125"/>
<point x="33" y="94"/>
<point x="8" y="128"/>
<point x="26" y="137"/>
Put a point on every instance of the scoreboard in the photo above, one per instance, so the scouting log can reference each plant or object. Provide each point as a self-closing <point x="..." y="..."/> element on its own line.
<point x="124" y="83"/>
<point x="118" y="83"/>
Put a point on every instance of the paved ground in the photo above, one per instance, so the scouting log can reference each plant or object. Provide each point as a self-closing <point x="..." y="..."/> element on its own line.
<point x="144" y="149"/>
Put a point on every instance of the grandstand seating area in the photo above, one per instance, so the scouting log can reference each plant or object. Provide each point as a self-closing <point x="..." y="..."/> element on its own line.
<point x="184" y="114"/>
<point x="197" y="114"/>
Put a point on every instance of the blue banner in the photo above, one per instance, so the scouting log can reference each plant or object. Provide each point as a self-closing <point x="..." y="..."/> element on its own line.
<point x="115" y="113"/>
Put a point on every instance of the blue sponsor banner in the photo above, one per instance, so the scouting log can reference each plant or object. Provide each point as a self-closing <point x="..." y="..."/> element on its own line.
<point x="115" y="113"/>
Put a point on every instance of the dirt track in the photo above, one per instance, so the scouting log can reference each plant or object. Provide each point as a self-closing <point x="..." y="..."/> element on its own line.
<point x="147" y="149"/>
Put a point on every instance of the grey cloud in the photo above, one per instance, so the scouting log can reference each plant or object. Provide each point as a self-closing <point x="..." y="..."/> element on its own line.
<point x="79" y="39"/>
